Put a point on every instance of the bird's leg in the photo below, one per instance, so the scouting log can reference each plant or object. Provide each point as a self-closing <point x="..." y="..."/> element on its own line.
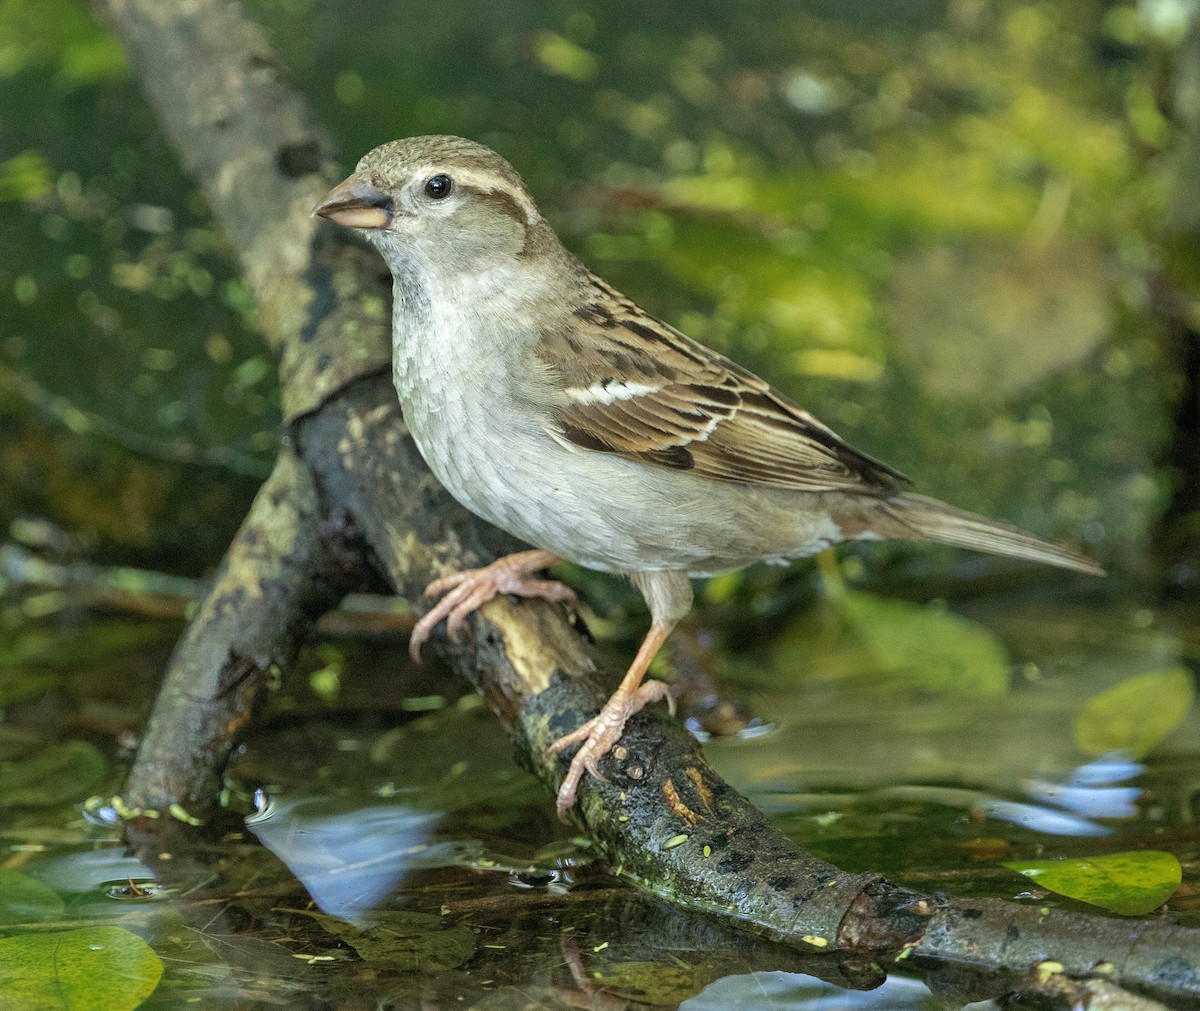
<point x="467" y="591"/>
<point x="601" y="732"/>
<point x="668" y="594"/>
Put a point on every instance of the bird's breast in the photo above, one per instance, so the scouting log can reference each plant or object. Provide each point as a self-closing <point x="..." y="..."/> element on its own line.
<point x="458" y="389"/>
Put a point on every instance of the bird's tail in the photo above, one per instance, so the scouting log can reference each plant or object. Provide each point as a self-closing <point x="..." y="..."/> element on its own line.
<point x="918" y="517"/>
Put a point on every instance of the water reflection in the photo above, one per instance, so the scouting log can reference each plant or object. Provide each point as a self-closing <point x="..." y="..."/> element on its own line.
<point x="97" y="871"/>
<point x="1063" y="809"/>
<point x="1088" y="791"/>
<point x="348" y="861"/>
<point x="1068" y="808"/>
<point x="798" y="992"/>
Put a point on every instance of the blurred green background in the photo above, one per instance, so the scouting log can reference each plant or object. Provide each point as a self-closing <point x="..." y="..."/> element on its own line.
<point x="940" y="226"/>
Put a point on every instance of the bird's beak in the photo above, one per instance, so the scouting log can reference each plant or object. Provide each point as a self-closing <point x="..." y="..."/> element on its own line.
<point x="355" y="203"/>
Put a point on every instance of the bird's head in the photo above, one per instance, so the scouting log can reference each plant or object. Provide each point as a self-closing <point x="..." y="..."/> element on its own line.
<point x="439" y="203"/>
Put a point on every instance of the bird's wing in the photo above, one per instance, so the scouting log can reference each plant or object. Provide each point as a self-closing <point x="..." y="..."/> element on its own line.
<point x="626" y="383"/>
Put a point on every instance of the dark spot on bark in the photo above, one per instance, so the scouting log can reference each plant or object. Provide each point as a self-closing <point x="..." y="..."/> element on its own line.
<point x="735" y="862"/>
<point x="299" y="159"/>
<point x="324" y="361"/>
<point x="1011" y="933"/>
<point x="235" y="673"/>
<point x="783" y="882"/>
<point x="972" y="914"/>
<point x="717" y="842"/>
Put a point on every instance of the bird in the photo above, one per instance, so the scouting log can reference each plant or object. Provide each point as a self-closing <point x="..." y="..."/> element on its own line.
<point x="556" y="408"/>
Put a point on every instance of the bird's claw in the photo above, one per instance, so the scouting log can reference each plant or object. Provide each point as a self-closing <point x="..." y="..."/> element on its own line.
<point x="467" y="591"/>
<point x="598" y="736"/>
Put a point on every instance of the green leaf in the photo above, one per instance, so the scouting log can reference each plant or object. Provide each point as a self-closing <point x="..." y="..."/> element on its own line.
<point x="1128" y="883"/>
<point x="925" y="647"/>
<point x="1135" y="715"/>
<point x="91" y="969"/>
<point x="59" y="773"/>
<point x="24" y="899"/>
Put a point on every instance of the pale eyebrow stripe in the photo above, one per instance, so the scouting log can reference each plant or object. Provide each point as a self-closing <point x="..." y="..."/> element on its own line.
<point x="488" y="182"/>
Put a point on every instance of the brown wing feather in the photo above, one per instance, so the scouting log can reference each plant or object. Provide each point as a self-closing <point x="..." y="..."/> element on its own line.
<point x="634" y="386"/>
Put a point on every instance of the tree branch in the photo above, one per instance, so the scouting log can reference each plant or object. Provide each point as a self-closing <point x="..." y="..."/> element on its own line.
<point x="280" y="574"/>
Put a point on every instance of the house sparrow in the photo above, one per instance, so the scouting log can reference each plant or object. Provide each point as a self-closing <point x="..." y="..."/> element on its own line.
<point x="554" y="407"/>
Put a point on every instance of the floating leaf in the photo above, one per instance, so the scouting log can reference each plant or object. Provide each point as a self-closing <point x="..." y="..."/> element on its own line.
<point x="91" y="969"/>
<point x="61" y="772"/>
<point x="24" y="899"/>
<point x="1135" y="715"/>
<point x="405" y="941"/>
<point x="651" y="982"/>
<point x="1128" y="883"/>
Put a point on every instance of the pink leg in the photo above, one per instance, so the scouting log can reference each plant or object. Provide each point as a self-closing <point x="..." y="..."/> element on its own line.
<point x="466" y="592"/>
<point x="601" y="732"/>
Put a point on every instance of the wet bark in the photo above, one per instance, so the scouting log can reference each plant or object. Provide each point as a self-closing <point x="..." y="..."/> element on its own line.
<point x="282" y="571"/>
<point x="350" y="498"/>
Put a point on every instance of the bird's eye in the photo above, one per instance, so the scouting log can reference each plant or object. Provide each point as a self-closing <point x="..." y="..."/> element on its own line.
<point x="439" y="186"/>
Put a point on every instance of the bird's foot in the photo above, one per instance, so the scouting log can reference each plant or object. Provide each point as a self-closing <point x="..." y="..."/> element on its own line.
<point x="467" y="591"/>
<point x="599" y="735"/>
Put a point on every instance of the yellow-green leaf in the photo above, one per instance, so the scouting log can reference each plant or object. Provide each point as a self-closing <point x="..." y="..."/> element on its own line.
<point x="895" y="644"/>
<point x="1128" y="883"/>
<point x="91" y="969"/>
<point x="1135" y="715"/>
<point x="926" y="647"/>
